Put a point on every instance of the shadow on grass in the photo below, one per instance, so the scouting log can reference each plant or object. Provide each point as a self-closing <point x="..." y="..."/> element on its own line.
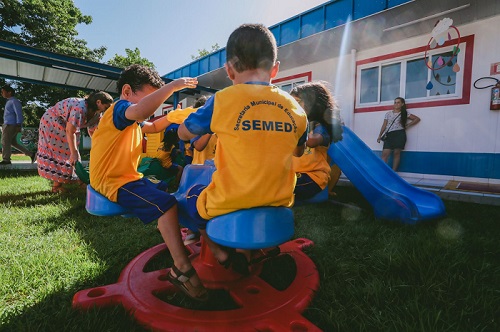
<point x="374" y="275"/>
<point x="16" y="173"/>
<point x="114" y="241"/>
<point x="30" y="199"/>
<point x="55" y="313"/>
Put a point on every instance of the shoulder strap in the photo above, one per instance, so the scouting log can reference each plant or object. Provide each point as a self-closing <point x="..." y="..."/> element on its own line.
<point x="392" y="123"/>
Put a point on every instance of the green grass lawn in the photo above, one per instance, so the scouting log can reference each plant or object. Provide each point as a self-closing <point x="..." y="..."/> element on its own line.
<point x="18" y="157"/>
<point x="375" y="275"/>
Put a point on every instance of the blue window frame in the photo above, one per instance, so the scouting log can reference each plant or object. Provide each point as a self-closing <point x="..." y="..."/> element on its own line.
<point x="204" y="65"/>
<point x="290" y="31"/>
<point x="366" y="8"/>
<point x="312" y="22"/>
<point x="193" y="69"/>
<point x="214" y="61"/>
<point x="337" y="13"/>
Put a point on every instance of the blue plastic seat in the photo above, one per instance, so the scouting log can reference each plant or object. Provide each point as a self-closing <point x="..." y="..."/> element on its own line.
<point x="191" y="175"/>
<point x="100" y="205"/>
<point x="256" y="228"/>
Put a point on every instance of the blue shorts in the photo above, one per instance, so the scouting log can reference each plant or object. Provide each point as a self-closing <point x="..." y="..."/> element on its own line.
<point x="305" y="188"/>
<point x="191" y="199"/>
<point x="147" y="200"/>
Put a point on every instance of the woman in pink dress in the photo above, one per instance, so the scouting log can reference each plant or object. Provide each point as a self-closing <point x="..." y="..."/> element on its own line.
<point x="59" y="135"/>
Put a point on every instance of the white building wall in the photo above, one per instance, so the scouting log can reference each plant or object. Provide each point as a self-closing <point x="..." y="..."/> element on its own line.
<point x="458" y="128"/>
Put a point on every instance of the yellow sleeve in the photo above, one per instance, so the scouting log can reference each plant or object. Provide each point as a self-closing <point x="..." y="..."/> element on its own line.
<point x="178" y="116"/>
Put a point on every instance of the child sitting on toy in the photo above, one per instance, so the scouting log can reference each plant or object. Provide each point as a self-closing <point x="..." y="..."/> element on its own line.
<point x="259" y="127"/>
<point x="313" y="167"/>
<point x="115" y="156"/>
<point x="204" y="148"/>
<point x="166" y="155"/>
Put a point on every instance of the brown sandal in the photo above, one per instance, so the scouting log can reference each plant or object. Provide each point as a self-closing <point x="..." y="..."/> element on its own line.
<point x="181" y="279"/>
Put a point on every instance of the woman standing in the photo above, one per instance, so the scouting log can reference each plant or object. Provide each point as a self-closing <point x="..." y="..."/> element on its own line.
<point x="59" y="135"/>
<point x="399" y="119"/>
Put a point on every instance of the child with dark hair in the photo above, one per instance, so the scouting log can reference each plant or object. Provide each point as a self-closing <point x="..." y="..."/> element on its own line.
<point x="313" y="167"/>
<point x="115" y="156"/>
<point x="166" y="155"/>
<point x="203" y="146"/>
<point x="259" y="127"/>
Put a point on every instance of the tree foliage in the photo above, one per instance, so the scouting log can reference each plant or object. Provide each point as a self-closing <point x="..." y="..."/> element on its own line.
<point x="49" y="25"/>
<point x="204" y="52"/>
<point x="132" y="57"/>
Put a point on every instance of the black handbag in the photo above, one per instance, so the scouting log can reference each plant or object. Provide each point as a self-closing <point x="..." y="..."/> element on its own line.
<point x="384" y="136"/>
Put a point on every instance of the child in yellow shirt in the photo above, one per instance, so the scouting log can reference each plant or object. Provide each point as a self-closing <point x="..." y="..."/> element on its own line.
<point x="313" y="167"/>
<point x="166" y="154"/>
<point x="115" y="156"/>
<point x="259" y="127"/>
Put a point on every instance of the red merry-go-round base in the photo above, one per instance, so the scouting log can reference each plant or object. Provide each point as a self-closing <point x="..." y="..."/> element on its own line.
<point x="260" y="307"/>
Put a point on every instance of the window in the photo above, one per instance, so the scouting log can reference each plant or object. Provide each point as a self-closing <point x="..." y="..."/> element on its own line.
<point x="289" y="86"/>
<point x="416" y="79"/>
<point x="290" y="82"/>
<point x="369" y="85"/>
<point x="390" y="81"/>
<point x="381" y="79"/>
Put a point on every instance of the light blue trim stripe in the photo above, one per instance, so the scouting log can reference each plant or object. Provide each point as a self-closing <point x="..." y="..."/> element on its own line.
<point x="477" y="165"/>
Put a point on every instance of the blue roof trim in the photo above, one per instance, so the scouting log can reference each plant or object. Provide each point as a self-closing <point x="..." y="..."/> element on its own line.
<point x="323" y="17"/>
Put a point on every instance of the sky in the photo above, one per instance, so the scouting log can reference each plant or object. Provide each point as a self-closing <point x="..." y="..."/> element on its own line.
<point x="169" y="32"/>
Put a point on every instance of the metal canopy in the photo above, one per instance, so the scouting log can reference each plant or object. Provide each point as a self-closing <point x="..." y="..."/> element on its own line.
<point x="29" y="64"/>
<point x="32" y="65"/>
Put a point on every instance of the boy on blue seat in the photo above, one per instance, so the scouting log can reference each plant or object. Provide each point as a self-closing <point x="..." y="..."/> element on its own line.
<point x="259" y="127"/>
<point x="116" y="151"/>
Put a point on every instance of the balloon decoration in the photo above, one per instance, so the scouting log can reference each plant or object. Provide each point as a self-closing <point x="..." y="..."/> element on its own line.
<point x="442" y="32"/>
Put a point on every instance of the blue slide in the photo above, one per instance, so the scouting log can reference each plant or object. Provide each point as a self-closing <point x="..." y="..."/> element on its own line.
<point x="390" y="196"/>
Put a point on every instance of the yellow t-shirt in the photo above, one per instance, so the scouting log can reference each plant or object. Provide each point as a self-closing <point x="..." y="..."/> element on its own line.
<point x="258" y="127"/>
<point x="115" y="154"/>
<point x="165" y="157"/>
<point x="178" y="116"/>
<point x="314" y="162"/>
<point x="207" y="153"/>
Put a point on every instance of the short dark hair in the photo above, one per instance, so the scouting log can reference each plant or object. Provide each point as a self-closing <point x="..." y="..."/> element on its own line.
<point x="200" y="101"/>
<point x="9" y="89"/>
<point x="251" y="46"/>
<point x="137" y="76"/>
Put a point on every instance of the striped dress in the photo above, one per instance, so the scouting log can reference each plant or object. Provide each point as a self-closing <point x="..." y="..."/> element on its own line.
<point x="53" y="149"/>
